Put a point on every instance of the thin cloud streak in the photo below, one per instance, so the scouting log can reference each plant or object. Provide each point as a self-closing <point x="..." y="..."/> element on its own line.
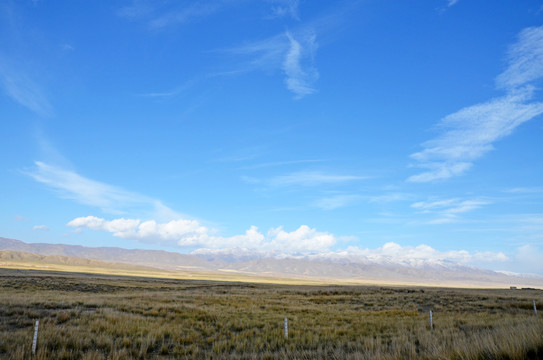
<point x="300" y="79"/>
<point x="469" y="134"/>
<point x="40" y="228"/>
<point x="190" y="13"/>
<point x="23" y="90"/>
<point x="108" y="198"/>
<point x="19" y="76"/>
<point x="525" y="190"/>
<point x="280" y="163"/>
<point x="391" y="197"/>
<point x="525" y="60"/>
<point x="452" y="2"/>
<point x="292" y="52"/>
<point x="447" y="210"/>
<point x="312" y="178"/>
<point x="159" y="19"/>
<point x="173" y="92"/>
<point x="336" y="202"/>
<point x="286" y="8"/>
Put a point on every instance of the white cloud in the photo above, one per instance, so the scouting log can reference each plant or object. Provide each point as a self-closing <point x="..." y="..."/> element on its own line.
<point x="525" y="59"/>
<point x="279" y="163"/>
<point x="440" y="171"/>
<point x="335" y="202"/>
<point x="286" y="8"/>
<point x="447" y="210"/>
<point x="391" y="197"/>
<point x="179" y="232"/>
<point x="469" y="134"/>
<point x="451" y="2"/>
<point x="292" y="52"/>
<point x="24" y="90"/>
<point x="108" y="198"/>
<point x="182" y="232"/>
<point x="397" y="252"/>
<point x="312" y="178"/>
<point x="300" y="78"/>
<point x="168" y="15"/>
<point x="525" y="190"/>
<point x="41" y="227"/>
<point x="302" y="240"/>
<point x="192" y="12"/>
<point x="67" y="47"/>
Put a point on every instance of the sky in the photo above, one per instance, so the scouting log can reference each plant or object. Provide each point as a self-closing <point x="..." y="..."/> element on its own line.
<point x="408" y="129"/>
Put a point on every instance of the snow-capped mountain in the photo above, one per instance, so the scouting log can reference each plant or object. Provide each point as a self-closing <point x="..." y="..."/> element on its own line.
<point x="333" y="267"/>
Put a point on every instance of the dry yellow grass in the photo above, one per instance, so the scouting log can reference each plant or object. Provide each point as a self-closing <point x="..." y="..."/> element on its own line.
<point x="112" y="317"/>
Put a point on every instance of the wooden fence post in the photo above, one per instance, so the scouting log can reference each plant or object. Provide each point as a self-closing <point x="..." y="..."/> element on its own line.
<point x="286" y="328"/>
<point x="431" y="321"/>
<point x="35" y="340"/>
<point x="535" y="309"/>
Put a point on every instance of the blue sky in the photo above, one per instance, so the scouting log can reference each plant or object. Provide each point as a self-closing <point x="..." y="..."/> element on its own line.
<point x="397" y="128"/>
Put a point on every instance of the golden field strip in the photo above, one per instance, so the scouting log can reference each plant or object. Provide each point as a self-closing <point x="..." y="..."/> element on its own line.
<point x="92" y="316"/>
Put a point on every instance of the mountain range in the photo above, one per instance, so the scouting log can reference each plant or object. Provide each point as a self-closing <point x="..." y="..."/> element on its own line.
<point x="329" y="268"/>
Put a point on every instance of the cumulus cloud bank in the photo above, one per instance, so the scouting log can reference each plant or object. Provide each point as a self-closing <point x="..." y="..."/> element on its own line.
<point x="397" y="252"/>
<point x="304" y="241"/>
<point x="185" y="233"/>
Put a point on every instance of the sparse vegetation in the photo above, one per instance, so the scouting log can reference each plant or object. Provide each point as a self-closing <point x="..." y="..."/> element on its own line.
<point x="107" y="317"/>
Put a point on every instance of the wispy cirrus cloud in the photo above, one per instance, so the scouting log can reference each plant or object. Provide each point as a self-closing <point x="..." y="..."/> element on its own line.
<point x="390" y="197"/>
<point x="174" y="92"/>
<point x="40" y="228"/>
<point x="470" y="133"/>
<point x="293" y="52"/>
<point x="300" y="77"/>
<point x="337" y="201"/>
<point x="312" y="178"/>
<point x="447" y="210"/>
<point x="282" y="8"/>
<point x="24" y="90"/>
<point x="451" y="2"/>
<point x="169" y="14"/>
<point x="110" y="199"/>
<point x="281" y="163"/>
<point x="191" y="12"/>
<point x="19" y="77"/>
<point x="525" y="60"/>
<point x="525" y="190"/>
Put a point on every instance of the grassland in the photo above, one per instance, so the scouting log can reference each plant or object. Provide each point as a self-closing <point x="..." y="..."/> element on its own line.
<point x="113" y="317"/>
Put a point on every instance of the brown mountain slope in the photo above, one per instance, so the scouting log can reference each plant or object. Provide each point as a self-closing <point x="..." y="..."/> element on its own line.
<point x="20" y="257"/>
<point x="151" y="258"/>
